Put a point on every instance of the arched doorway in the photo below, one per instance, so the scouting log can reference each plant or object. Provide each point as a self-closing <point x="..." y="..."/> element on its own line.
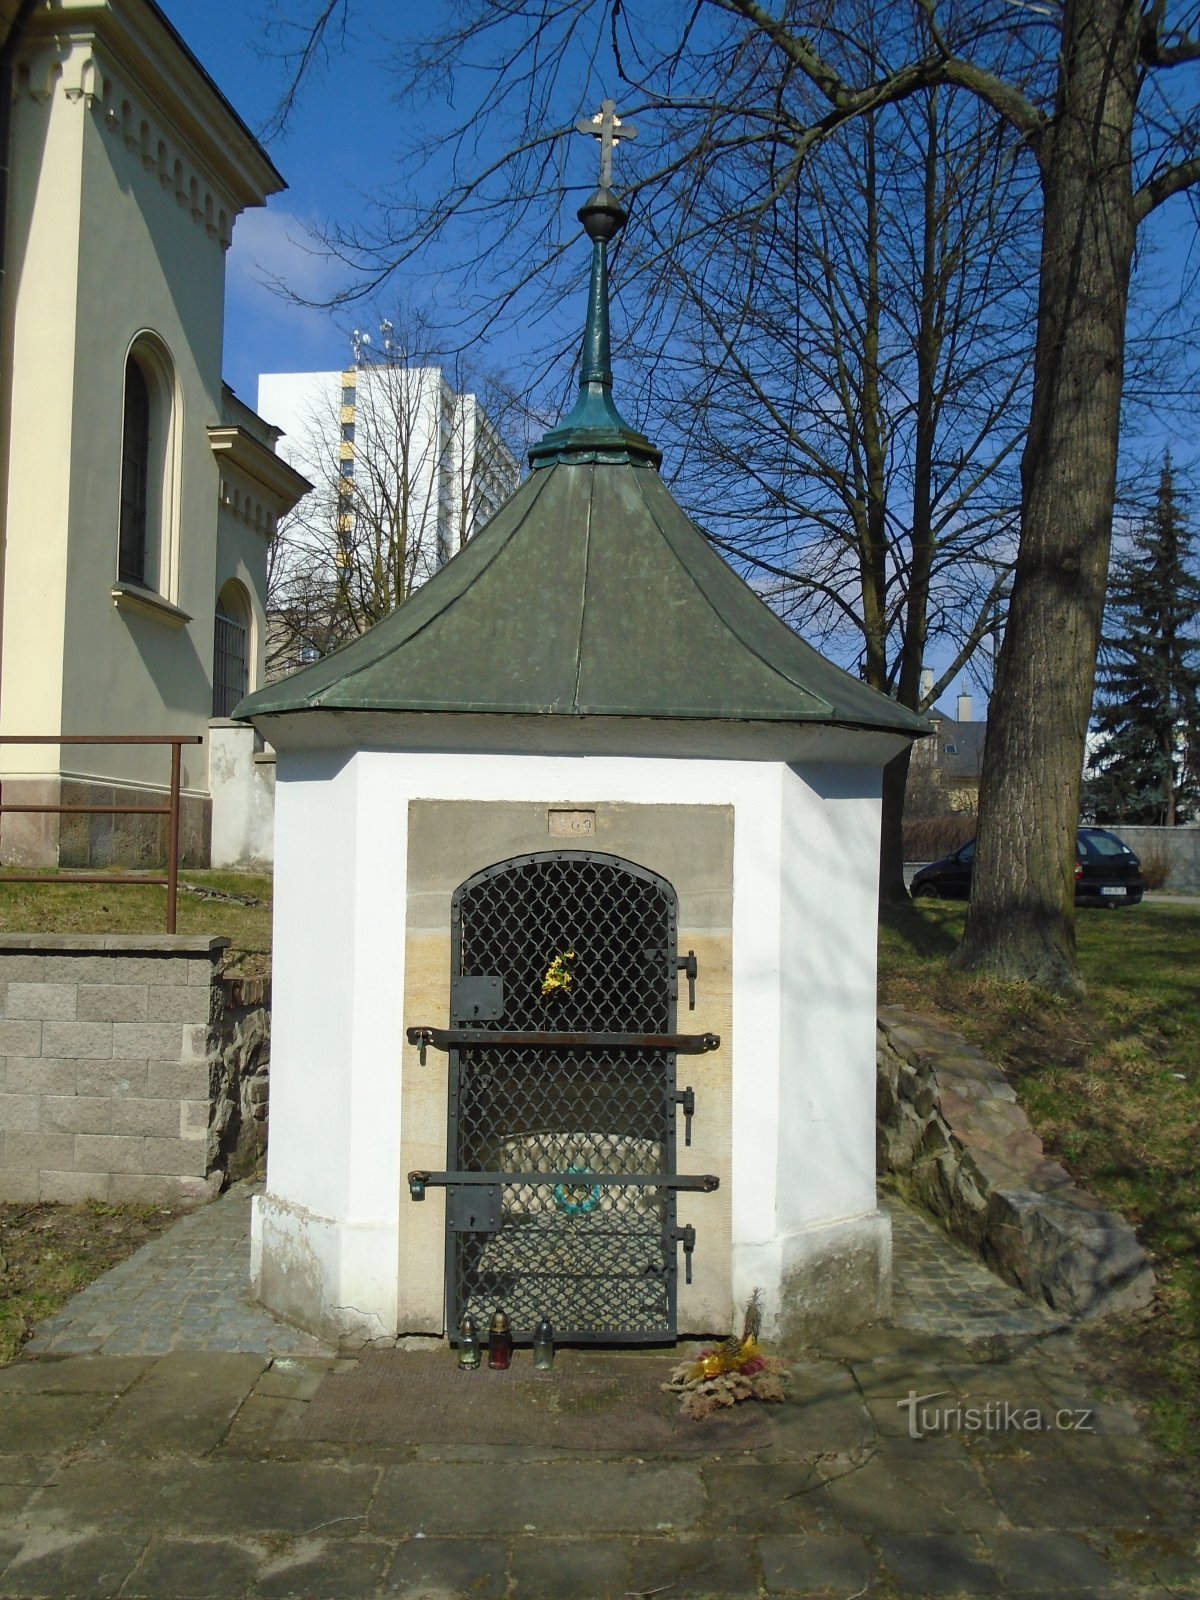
<point x="562" y="1098"/>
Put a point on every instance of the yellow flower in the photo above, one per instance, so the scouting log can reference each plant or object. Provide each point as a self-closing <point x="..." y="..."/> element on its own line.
<point x="558" y="975"/>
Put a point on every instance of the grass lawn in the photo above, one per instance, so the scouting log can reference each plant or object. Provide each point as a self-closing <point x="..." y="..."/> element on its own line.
<point x="50" y="907"/>
<point x="50" y="1252"/>
<point x="1112" y="1083"/>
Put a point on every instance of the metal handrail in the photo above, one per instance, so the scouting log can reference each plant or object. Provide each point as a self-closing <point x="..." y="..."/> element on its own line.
<point x="170" y="811"/>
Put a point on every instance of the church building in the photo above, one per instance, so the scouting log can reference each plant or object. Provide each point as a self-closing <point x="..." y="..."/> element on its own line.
<point x="138" y="493"/>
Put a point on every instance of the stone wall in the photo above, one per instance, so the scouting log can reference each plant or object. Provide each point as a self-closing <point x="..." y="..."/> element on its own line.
<point x="951" y="1130"/>
<point x="125" y="1068"/>
<point x="86" y="839"/>
<point x="241" y="1060"/>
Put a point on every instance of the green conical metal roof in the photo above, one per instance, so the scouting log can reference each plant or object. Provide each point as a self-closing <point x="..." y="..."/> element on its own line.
<point x="589" y="594"/>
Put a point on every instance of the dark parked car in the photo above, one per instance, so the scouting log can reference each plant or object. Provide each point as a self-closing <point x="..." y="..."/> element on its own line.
<point x="1107" y="873"/>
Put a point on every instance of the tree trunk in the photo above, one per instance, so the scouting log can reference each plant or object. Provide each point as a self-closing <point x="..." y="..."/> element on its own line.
<point x="912" y="658"/>
<point x="1021" y="924"/>
<point x="891" y="833"/>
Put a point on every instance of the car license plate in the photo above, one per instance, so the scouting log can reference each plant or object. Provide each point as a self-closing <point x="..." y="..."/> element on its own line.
<point x="1111" y="888"/>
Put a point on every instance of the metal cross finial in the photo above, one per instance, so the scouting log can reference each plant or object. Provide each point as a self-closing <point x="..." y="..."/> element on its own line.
<point x="606" y="126"/>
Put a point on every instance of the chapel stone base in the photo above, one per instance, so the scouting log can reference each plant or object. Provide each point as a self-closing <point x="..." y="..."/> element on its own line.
<point x="835" y="1277"/>
<point x="338" y="1280"/>
<point x="333" y="1279"/>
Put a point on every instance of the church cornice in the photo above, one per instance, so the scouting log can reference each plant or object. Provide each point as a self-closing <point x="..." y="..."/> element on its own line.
<point x="125" y="61"/>
<point x="270" y="486"/>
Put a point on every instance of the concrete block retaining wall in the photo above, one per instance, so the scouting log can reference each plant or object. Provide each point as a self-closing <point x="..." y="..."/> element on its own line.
<point x="951" y="1130"/>
<point x="121" y="1067"/>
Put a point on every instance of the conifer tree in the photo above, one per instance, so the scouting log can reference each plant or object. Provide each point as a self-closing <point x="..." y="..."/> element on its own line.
<point x="1146" y="766"/>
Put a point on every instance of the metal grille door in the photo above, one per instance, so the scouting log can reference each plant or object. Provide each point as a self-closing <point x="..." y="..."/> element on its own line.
<point x="563" y="1100"/>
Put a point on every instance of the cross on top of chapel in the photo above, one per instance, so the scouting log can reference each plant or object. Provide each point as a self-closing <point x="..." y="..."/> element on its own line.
<point x="607" y="127"/>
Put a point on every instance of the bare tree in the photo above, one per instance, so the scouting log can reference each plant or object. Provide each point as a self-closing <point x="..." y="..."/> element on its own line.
<point x="1101" y="95"/>
<point x="844" y="385"/>
<point x="404" y="467"/>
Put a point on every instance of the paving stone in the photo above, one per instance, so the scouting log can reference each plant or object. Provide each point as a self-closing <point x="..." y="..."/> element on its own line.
<point x="87" y="1566"/>
<point x="828" y="1421"/>
<point x="76" y="1344"/>
<point x="184" y="1405"/>
<point x="185" y="1497"/>
<point x="187" y="1290"/>
<point x="32" y="1423"/>
<point x="314" y="1569"/>
<point x="192" y="1569"/>
<point x="571" y="1497"/>
<point x="919" y="1494"/>
<point x="940" y="1286"/>
<point x="1168" y="1562"/>
<point x="1076" y="1412"/>
<point x="937" y="1564"/>
<point x="816" y="1563"/>
<point x="1050" y="1563"/>
<point x="293" y="1381"/>
<point x="693" y="1566"/>
<point x="17" y="1468"/>
<point x="261" y="1423"/>
<point x="768" y="1497"/>
<point x="1063" y="1495"/>
<point x="549" y="1569"/>
<point x="95" y="1375"/>
<point x="444" y="1569"/>
<point x="303" y="1506"/>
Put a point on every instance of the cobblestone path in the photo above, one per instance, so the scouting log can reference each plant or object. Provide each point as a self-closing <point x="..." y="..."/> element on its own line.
<point x="189" y="1289"/>
<point x="941" y="1287"/>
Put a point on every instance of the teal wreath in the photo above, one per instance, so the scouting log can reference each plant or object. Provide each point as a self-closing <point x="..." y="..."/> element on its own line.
<point x="576" y="1208"/>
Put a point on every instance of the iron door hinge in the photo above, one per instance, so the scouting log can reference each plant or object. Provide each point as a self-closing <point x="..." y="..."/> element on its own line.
<point x="686" y="1236"/>
<point x="687" y="1099"/>
<point x="688" y="965"/>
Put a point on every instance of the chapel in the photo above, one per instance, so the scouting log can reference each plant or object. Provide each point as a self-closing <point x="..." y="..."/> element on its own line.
<point x="576" y="909"/>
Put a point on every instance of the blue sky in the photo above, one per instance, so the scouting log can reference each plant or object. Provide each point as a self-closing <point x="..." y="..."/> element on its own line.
<point x="337" y="151"/>
<point x="341" y="129"/>
<point x="339" y="148"/>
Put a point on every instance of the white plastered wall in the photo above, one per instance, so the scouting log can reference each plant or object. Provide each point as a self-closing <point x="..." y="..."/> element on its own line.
<point x="327" y="1249"/>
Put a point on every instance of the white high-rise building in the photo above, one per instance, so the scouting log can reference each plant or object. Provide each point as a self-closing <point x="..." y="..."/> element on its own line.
<point x="404" y="471"/>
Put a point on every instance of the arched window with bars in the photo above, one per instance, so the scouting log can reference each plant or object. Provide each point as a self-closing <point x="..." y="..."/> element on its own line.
<point x="231" y="649"/>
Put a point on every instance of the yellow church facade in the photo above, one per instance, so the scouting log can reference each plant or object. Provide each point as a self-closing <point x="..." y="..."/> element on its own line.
<point x="138" y="494"/>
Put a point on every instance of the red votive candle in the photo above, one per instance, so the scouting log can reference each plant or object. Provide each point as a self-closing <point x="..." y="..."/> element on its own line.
<point x="499" y="1343"/>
